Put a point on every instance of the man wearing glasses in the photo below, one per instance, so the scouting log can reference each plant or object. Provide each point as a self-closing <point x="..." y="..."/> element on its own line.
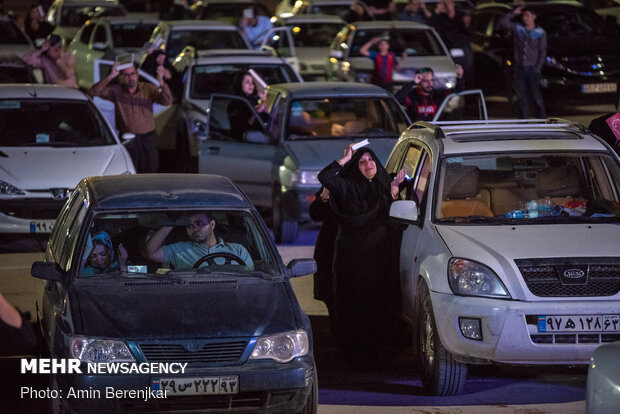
<point x="202" y="242"/>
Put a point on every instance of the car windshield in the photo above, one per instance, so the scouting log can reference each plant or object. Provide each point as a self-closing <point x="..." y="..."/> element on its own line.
<point x="208" y="79"/>
<point x="43" y="122"/>
<point x="342" y="10"/>
<point x="314" y="34"/>
<point x="76" y="16"/>
<point x="202" y="40"/>
<point x="131" y="34"/>
<point x="346" y="117"/>
<point x="528" y="189"/>
<point x="115" y="245"/>
<point x="568" y="22"/>
<point x="11" y="35"/>
<point x="414" y="42"/>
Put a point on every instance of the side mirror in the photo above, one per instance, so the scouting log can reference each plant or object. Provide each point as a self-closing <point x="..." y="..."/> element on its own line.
<point x="336" y="54"/>
<point x="47" y="271"/>
<point x="257" y="137"/>
<point x="127" y="136"/>
<point x="100" y="46"/>
<point x="301" y="267"/>
<point x="457" y="53"/>
<point x="405" y="211"/>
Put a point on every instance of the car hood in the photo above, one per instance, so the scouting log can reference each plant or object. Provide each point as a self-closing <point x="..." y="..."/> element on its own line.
<point x="41" y="168"/>
<point x="496" y="244"/>
<point x="316" y="154"/>
<point x="142" y="309"/>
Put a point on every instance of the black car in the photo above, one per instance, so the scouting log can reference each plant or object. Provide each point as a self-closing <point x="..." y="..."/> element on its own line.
<point x="583" y="53"/>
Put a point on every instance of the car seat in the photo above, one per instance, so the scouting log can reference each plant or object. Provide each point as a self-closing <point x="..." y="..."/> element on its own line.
<point x="460" y="193"/>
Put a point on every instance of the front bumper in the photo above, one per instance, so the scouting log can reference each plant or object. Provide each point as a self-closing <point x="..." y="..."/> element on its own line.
<point x="580" y="89"/>
<point x="265" y="386"/>
<point x="510" y="332"/>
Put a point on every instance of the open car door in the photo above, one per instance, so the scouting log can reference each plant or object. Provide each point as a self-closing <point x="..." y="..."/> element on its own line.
<point x="279" y="41"/>
<point x="467" y="105"/>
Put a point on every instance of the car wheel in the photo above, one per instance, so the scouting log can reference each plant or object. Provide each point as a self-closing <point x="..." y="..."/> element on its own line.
<point x="312" y="402"/>
<point x="441" y="373"/>
<point x="284" y="231"/>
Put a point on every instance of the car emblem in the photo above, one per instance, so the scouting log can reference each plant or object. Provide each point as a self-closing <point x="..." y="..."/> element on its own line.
<point x="191" y="346"/>
<point x="574" y="273"/>
<point x="60" y="193"/>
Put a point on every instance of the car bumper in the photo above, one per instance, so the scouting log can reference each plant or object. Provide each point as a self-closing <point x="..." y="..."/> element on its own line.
<point x="264" y="386"/>
<point x="29" y="215"/>
<point x="510" y="332"/>
<point x="581" y="90"/>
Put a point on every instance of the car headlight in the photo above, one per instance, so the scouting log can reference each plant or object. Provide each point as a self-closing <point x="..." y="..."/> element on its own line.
<point x="8" y="189"/>
<point x="554" y="63"/>
<point x="281" y="347"/>
<point x="467" y="277"/>
<point x="447" y="82"/>
<point x="303" y="177"/>
<point x="100" y="350"/>
<point x="199" y="129"/>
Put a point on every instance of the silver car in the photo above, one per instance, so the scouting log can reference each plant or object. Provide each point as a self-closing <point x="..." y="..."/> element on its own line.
<point x="603" y="385"/>
<point x="67" y="16"/>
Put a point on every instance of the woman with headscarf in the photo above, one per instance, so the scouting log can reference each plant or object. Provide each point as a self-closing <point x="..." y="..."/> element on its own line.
<point x="365" y="266"/>
<point x="240" y="116"/>
<point x="101" y="258"/>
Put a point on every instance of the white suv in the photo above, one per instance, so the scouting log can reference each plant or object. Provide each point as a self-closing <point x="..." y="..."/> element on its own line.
<point x="510" y="251"/>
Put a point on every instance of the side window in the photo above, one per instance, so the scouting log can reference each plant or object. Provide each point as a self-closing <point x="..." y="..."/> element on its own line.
<point x="100" y="35"/>
<point x="274" y="124"/>
<point x="86" y="32"/>
<point x="230" y="119"/>
<point x="59" y="234"/>
<point x="73" y="227"/>
<point x="417" y="165"/>
<point x="395" y="158"/>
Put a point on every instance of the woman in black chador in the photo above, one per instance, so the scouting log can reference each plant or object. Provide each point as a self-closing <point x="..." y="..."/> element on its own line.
<point x="365" y="267"/>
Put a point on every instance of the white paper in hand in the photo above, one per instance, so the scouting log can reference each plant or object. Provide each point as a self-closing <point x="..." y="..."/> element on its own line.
<point x="360" y="144"/>
<point x="125" y="61"/>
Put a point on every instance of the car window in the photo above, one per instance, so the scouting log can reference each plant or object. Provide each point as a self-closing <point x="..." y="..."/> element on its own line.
<point x="11" y="35"/>
<point x="86" y="32"/>
<point x="208" y="79"/>
<point x="100" y="34"/>
<point x="76" y="16"/>
<point x="73" y="225"/>
<point x="47" y="122"/>
<point x="414" y="42"/>
<point x="110" y="236"/>
<point x="346" y="117"/>
<point x="342" y="10"/>
<point x="556" y="186"/>
<point x="133" y="35"/>
<point x="203" y="39"/>
<point x="231" y="117"/>
<point x="16" y="73"/>
<point x="59" y="232"/>
<point x="417" y="166"/>
<point x="314" y="34"/>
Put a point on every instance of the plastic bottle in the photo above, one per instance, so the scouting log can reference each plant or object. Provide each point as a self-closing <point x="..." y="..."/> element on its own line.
<point x="532" y="209"/>
<point x="515" y="214"/>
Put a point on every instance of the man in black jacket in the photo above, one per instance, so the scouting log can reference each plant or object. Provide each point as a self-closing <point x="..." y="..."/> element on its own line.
<point x="421" y="99"/>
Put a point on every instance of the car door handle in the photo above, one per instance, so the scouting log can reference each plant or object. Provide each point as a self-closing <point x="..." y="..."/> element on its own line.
<point x="213" y="150"/>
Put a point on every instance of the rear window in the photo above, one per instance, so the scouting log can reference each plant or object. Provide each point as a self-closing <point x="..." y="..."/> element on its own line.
<point x="203" y="39"/>
<point x="76" y="16"/>
<point x="314" y="34"/>
<point x="131" y="35"/>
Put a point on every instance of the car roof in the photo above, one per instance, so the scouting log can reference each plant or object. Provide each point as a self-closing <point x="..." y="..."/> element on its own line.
<point x="312" y="18"/>
<point x="198" y="25"/>
<point x="388" y="25"/>
<point x="333" y="89"/>
<point x="507" y="136"/>
<point x="163" y="191"/>
<point x="32" y="90"/>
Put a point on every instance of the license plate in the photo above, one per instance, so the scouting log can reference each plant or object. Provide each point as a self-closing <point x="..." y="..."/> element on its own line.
<point x="599" y="87"/>
<point x="579" y="323"/>
<point x="41" y="226"/>
<point x="197" y="385"/>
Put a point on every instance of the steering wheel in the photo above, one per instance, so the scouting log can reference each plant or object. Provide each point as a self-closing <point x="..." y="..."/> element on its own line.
<point x="210" y="259"/>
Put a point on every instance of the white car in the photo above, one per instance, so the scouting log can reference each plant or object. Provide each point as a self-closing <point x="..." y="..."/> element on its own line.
<point x="51" y="138"/>
<point x="67" y="16"/>
<point x="107" y="38"/>
<point x="510" y="250"/>
<point x="341" y="8"/>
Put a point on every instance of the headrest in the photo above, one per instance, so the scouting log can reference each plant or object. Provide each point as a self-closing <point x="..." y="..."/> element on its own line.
<point x="558" y="182"/>
<point x="461" y="181"/>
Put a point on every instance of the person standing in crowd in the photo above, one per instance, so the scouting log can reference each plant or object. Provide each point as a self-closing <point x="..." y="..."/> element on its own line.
<point x="385" y="61"/>
<point x="133" y="111"/>
<point x="421" y="99"/>
<point x="413" y="12"/>
<point x="16" y="334"/>
<point x="530" y="52"/>
<point x="36" y="27"/>
<point x="366" y="294"/>
<point x="320" y="211"/>
<point x="176" y="10"/>
<point x="382" y="9"/>
<point x="255" y="27"/>
<point x="155" y="58"/>
<point x="58" y="65"/>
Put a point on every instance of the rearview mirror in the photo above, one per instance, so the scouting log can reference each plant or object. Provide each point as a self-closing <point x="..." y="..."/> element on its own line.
<point x="47" y="271"/>
<point x="405" y="211"/>
<point x="127" y="136"/>
<point x="301" y="267"/>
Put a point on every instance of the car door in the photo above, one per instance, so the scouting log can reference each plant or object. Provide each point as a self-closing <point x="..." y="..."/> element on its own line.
<point x="279" y="40"/>
<point x="98" y="46"/>
<point x="80" y="47"/>
<point x="245" y="153"/>
<point x="463" y="106"/>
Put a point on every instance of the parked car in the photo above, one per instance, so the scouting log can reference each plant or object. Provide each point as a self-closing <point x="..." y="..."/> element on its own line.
<point x="518" y="263"/>
<point x="312" y="34"/>
<point x="107" y="38"/>
<point x="422" y="44"/>
<point x="235" y="324"/>
<point x="342" y="8"/>
<point x="181" y="127"/>
<point x="308" y="125"/>
<point x="583" y="60"/>
<point x="606" y="8"/>
<point x="12" y="38"/>
<point x="603" y="384"/>
<point x="229" y="11"/>
<point x="52" y="137"/>
<point x="67" y="16"/>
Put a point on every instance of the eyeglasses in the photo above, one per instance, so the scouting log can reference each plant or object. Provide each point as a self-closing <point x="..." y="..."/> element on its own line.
<point x="197" y="224"/>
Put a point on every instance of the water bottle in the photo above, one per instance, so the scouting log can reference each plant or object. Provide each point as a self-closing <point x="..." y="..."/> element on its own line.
<point x="515" y="214"/>
<point x="532" y="209"/>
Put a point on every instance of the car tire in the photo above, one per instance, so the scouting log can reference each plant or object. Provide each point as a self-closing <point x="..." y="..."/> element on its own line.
<point x="312" y="402"/>
<point x="284" y="231"/>
<point x="441" y="374"/>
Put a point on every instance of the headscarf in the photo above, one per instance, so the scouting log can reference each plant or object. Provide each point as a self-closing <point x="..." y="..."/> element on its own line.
<point x="238" y="88"/>
<point x="104" y="238"/>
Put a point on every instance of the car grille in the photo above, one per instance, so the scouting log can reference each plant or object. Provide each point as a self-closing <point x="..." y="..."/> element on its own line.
<point x="581" y="338"/>
<point x="543" y="277"/>
<point x="206" y="352"/>
<point x="31" y="208"/>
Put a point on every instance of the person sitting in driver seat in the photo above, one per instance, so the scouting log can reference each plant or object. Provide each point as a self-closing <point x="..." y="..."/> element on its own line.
<point x="203" y="243"/>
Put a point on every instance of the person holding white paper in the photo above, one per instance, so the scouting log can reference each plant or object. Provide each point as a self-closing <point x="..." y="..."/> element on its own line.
<point x="58" y="65"/>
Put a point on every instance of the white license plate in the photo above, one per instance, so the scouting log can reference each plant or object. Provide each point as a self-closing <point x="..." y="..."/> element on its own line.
<point x="579" y="323"/>
<point x="41" y="226"/>
<point x="197" y="385"/>
<point x="599" y="87"/>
